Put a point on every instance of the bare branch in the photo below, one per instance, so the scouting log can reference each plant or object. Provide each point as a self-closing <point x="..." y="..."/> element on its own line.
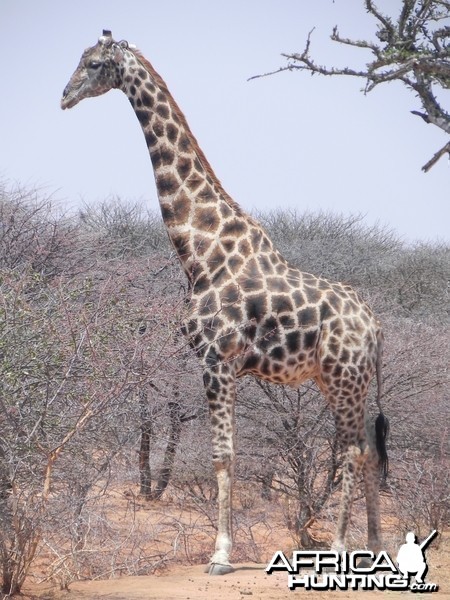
<point x="357" y="43"/>
<point x="436" y="115"/>
<point x="385" y="21"/>
<point x="445" y="149"/>
<point x="413" y="51"/>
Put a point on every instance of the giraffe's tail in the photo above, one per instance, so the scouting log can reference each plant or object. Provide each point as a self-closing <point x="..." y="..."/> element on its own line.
<point x="382" y="422"/>
<point x="381" y="434"/>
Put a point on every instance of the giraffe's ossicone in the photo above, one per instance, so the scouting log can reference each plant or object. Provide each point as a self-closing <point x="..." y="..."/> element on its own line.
<point x="250" y="311"/>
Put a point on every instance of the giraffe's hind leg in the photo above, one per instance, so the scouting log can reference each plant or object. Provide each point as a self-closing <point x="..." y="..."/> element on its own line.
<point x="371" y="473"/>
<point x="355" y="455"/>
<point x="359" y="455"/>
<point x="348" y="407"/>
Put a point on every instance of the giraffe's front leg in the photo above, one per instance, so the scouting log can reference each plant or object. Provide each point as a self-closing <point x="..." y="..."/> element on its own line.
<point x="220" y="387"/>
<point x="220" y="561"/>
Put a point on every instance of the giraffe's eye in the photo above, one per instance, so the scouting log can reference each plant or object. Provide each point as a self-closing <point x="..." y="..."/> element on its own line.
<point x="94" y="64"/>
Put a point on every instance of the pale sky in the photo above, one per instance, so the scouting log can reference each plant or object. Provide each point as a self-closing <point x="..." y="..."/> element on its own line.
<point x="289" y="141"/>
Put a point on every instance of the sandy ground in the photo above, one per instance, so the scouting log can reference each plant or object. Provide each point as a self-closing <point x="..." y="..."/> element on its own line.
<point x="248" y="581"/>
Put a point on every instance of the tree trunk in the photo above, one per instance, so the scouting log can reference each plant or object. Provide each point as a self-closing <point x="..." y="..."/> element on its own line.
<point x="266" y="487"/>
<point x="145" y="472"/>
<point x="171" y="448"/>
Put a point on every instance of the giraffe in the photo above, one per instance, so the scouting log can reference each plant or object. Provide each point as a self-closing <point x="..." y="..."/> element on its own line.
<point x="250" y="311"/>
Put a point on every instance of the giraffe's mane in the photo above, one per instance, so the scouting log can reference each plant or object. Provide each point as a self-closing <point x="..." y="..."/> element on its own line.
<point x="177" y="110"/>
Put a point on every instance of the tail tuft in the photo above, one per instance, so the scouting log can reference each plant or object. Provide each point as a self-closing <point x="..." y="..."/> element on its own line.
<point x="381" y="434"/>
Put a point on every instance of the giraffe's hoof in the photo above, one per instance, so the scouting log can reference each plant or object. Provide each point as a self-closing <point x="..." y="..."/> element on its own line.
<point x="217" y="569"/>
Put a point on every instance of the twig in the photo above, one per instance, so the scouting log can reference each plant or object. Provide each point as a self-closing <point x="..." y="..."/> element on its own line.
<point x="436" y="157"/>
<point x="424" y="116"/>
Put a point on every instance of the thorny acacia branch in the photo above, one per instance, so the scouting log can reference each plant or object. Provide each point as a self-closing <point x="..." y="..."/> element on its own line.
<point x="413" y="49"/>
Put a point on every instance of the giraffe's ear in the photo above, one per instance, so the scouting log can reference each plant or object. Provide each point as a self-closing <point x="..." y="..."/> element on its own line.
<point x="118" y="54"/>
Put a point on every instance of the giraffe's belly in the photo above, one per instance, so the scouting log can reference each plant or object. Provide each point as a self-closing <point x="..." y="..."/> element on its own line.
<point x="282" y="377"/>
<point x="275" y="367"/>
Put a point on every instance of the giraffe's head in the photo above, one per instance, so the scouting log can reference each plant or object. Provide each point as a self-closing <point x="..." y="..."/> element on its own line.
<point x="97" y="73"/>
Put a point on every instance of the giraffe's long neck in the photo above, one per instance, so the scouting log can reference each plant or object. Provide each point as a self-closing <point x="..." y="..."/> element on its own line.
<point x="195" y="208"/>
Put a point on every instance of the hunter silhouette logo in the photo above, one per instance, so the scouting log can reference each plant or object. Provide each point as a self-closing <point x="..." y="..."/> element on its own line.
<point x="358" y="570"/>
<point x="411" y="557"/>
